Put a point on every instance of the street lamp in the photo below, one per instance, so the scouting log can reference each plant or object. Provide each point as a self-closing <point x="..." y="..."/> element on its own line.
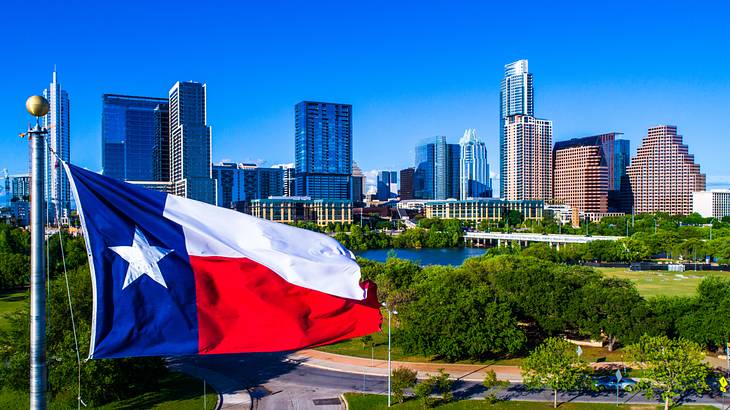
<point x="390" y="314"/>
<point x="712" y="221"/>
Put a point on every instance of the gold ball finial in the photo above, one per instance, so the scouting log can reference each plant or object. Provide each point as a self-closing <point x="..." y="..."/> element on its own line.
<point x="37" y="106"/>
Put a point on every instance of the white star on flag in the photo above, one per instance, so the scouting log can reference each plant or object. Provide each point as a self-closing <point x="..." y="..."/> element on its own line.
<point x="142" y="259"/>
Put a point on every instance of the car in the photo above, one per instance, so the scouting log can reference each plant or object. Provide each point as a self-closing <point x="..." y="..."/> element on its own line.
<point x="610" y="383"/>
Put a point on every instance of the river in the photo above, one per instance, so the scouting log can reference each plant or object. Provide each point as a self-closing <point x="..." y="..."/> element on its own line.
<point x="426" y="256"/>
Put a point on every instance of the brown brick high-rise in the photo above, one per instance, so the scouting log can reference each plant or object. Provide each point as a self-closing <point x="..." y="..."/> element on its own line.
<point x="663" y="174"/>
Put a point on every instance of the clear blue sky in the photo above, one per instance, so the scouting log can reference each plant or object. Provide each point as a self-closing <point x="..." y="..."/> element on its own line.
<point x="410" y="69"/>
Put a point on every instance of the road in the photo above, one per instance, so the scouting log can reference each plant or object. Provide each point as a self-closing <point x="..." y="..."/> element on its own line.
<point x="275" y="382"/>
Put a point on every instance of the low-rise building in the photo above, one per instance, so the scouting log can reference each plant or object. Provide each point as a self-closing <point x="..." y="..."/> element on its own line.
<point x="477" y="210"/>
<point x="295" y="209"/>
<point x="712" y="204"/>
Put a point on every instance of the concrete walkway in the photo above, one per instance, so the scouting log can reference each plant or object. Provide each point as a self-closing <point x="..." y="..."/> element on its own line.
<point x="465" y="372"/>
<point x="230" y="396"/>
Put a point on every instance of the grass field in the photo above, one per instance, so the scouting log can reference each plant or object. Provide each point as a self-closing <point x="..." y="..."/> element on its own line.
<point x="176" y="392"/>
<point x="354" y="347"/>
<point x="663" y="283"/>
<point x="10" y="302"/>
<point x="357" y="401"/>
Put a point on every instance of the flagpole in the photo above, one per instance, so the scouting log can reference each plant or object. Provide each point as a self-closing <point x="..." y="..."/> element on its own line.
<point x="38" y="107"/>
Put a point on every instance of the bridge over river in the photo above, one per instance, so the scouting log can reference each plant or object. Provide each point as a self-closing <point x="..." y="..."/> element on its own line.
<point x="523" y="239"/>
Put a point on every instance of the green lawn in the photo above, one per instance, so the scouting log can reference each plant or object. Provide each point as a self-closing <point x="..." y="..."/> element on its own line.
<point x="177" y="392"/>
<point x="10" y="301"/>
<point x="663" y="283"/>
<point x="358" y="401"/>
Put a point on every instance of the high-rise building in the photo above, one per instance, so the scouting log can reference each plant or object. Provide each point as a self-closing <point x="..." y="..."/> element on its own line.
<point x="423" y="177"/>
<point x="516" y="97"/>
<point x="387" y="185"/>
<point x="663" y="174"/>
<point x="190" y="143"/>
<point x="323" y="150"/>
<point x="474" y="170"/>
<point x="289" y="178"/>
<point x="587" y="172"/>
<point x="161" y="149"/>
<point x="526" y="158"/>
<point x="406" y="183"/>
<point x="19" y="187"/>
<point x="580" y="176"/>
<point x="358" y="184"/>
<point x="128" y="136"/>
<point x="58" y="193"/>
<point x="436" y="173"/>
<point x="237" y="183"/>
<point x="621" y="160"/>
<point x="712" y="204"/>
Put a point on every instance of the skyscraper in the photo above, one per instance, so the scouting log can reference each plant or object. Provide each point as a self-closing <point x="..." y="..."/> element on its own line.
<point x="526" y="158"/>
<point x="474" y="170"/>
<point x="516" y="97"/>
<point x="323" y="150"/>
<point x="358" y="183"/>
<point x="190" y="143"/>
<point x="406" y="183"/>
<point x="663" y="174"/>
<point x="128" y="136"/>
<point x="436" y="173"/>
<point x="580" y="175"/>
<point x="57" y="121"/>
<point x="621" y="160"/>
<point x="161" y="149"/>
<point x="387" y="185"/>
<point x="245" y="182"/>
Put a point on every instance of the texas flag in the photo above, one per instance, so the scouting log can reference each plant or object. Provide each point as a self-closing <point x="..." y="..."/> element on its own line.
<point x="174" y="276"/>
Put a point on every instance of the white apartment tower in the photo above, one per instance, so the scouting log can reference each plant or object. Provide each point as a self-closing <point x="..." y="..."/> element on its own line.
<point x="58" y="123"/>
<point x="527" y="158"/>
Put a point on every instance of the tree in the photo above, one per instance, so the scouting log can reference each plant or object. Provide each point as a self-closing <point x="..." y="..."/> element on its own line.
<point x="436" y="384"/>
<point x="671" y="366"/>
<point x="400" y="379"/>
<point x="513" y="218"/>
<point x="493" y="385"/>
<point x="614" y="308"/>
<point x="556" y="365"/>
<point x="455" y="316"/>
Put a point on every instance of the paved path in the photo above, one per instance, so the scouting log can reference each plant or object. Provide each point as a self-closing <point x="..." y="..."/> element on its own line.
<point x="466" y="372"/>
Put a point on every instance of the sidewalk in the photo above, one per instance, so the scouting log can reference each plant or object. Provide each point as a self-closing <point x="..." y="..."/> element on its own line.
<point x="229" y="394"/>
<point x="466" y="372"/>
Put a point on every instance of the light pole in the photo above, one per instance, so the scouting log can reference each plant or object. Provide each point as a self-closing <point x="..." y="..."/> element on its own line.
<point x="390" y="314"/>
<point x="37" y="106"/>
<point x="712" y="221"/>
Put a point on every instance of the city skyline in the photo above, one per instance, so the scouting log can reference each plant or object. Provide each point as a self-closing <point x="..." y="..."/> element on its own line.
<point x="607" y="86"/>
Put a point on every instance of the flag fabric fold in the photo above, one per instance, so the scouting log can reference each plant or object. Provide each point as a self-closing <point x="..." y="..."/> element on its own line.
<point x="173" y="276"/>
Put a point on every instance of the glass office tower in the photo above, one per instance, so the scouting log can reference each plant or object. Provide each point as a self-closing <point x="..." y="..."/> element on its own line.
<point x="161" y="149"/>
<point x="474" y="173"/>
<point x="621" y="160"/>
<point x="128" y="136"/>
<point x="437" y="169"/>
<point x="323" y="150"/>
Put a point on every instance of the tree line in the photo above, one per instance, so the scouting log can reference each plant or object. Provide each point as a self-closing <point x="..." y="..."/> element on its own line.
<point x="498" y="306"/>
<point x="102" y="381"/>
